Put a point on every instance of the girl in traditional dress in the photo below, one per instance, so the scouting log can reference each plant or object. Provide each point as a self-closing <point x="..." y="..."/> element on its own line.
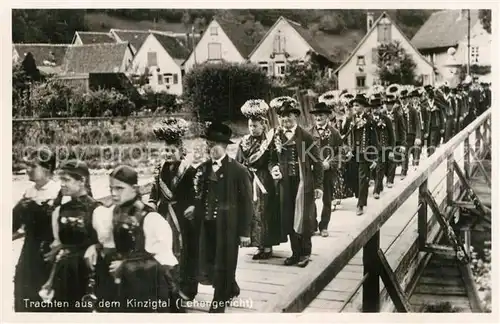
<point x="253" y="152"/>
<point x="77" y="226"/>
<point x="34" y="212"/>
<point x="173" y="196"/>
<point x="143" y="263"/>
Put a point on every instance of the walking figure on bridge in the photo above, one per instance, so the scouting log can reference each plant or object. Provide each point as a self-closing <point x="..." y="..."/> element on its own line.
<point x="296" y="164"/>
<point x="362" y="138"/>
<point x="223" y="194"/>
<point x="329" y="143"/>
<point x="411" y="111"/>
<point x="433" y="121"/>
<point x="396" y="116"/>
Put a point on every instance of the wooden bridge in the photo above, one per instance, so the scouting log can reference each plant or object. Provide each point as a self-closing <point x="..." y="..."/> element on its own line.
<point x="388" y="259"/>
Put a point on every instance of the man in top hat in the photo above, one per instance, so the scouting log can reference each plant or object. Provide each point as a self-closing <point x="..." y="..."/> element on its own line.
<point x="362" y="138"/>
<point x="223" y="194"/>
<point x="297" y="166"/>
<point x="413" y="131"/>
<point x="449" y="108"/>
<point x="433" y="121"/>
<point x="329" y="142"/>
<point x="386" y="138"/>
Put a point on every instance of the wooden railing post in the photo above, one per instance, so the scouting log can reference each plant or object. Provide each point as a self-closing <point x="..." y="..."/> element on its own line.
<point x="371" y="266"/>
<point x="478" y="141"/>
<point x="422" y="216"/>
<point x="450" y="171"/>
<point x="467" y="158"/>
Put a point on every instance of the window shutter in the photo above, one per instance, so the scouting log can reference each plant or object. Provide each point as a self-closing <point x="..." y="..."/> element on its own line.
<point x="152" y="61"/>
<point x="388" y="33"/>
<point x="176" y="78"/>
<point x="380" y="32"/>
<point x="276" y="44"/>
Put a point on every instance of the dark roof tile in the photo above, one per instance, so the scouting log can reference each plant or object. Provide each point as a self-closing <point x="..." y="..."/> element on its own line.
<point x="243" y="42"/>
<point x="96" y="37"/>
<point x="95" y="58"/>
<point x="135" y="37"/>
<point x="174" y="48"/>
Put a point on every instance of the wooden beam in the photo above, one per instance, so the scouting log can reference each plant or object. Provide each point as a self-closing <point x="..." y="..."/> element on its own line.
<point x="449" y="179"/>
<point x="467" y="158"/>
<point x="422" y="215"/>
<point x="371" y="267"/>
<point x="440" y="249"/>
<point x="448" y="230"/>
<point x="392" y="285"/>
<point x="470" y="288"/>
<point x="463" y="204"/>
<point x="484" y="172"/>
<point x="475" y="199"/>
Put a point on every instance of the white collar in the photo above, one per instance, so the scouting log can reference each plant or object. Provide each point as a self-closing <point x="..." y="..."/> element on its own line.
<point x="219" y="161"/>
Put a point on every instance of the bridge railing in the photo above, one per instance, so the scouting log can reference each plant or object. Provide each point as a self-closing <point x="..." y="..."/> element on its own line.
<point x="366" y="235"/>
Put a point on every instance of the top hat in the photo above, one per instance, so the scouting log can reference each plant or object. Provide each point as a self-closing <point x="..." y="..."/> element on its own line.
<point x="288" y="107"/>
<point x="414" y="93"/>
<point x="320" y="108"/>
<point x="390" y="99"/>
<point x="360" y="99"/>
<point x="219" y="133"/>
<point x="428" y="88"/>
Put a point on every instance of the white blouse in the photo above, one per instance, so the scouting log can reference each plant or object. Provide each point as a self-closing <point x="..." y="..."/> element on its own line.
<point x="158" y="235"/>
<point x="48" y="192"/>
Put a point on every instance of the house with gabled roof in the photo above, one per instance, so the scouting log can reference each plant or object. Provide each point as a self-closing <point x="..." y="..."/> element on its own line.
<point x="90" y="37"/>
<point x="449" y="28"/>
<point x="97" y="58"/>
<point x="135" y="37"/>
<point x="284" y="42"/>
<point x="48" y="57"/>
<point x="221" y="41"/>
<point x="359" y="70"/>
<point x="160" y="57"/>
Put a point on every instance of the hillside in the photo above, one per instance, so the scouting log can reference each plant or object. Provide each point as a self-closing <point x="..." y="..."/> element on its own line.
<point x="338" y="31"/>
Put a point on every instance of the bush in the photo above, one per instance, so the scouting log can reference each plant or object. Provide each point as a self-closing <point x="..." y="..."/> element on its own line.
<point x="50" y="99"/>
<point x="217" y="91"/>
<point x="161" y="101"/>
<point x="395" y="65"/>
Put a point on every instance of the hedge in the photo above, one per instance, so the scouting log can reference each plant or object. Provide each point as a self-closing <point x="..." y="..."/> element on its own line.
<point x="218" y="90"/>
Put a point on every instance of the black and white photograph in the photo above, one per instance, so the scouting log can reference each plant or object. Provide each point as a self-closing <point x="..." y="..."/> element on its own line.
<point x="251" y="160"/>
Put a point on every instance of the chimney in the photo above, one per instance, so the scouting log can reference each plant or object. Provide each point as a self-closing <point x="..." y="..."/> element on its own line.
<point x="369" y="21"/>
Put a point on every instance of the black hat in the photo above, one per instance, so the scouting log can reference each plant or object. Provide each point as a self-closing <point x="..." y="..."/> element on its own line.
<point x="414" y="93"/>
<point x="286" y="108"/>
<point x="428" y="88"/>
<point x="218" y="132"/>
<point x="320" y="108"/>
<point x="390" y="99"/>
<point x="125" y="174"/>
<point x="361" y="99"/>
<point x="403" y="94"/>
<point x="43" y="157"/>
<point x="77" y="168"/>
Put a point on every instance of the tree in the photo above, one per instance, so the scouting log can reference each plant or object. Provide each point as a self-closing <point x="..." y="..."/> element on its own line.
<point x="485" y="18"/>
<point x="395" y="65"/>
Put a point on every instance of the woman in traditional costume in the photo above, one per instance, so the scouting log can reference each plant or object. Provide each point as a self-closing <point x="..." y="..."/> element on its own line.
<point x="143" y="263"/>
<point x="77" y="226"/>
<point x="253" y="152"/>
<point x="173" y="196"/>
<point x="33" y="213"/>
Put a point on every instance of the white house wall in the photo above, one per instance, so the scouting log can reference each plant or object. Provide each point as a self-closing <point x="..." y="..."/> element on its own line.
<point x="295" y="46"/>
<point x="165" y="63"/>
<point x="347" y="74"/>
<point x="480" y="39"/>
<point x="228" y="50"/>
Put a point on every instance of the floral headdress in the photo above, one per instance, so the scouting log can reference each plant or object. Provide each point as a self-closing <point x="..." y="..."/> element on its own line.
<point x="171" y="130"/>
<point x="278" y="101"/>
<point x="330" y="98"/>
<point x="254" y="108"/>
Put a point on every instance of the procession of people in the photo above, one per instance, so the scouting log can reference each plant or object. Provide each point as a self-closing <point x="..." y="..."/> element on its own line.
<point x="283" y="185"/>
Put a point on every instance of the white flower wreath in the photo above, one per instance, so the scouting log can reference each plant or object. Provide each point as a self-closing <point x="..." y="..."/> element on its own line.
<point x="330" y="98"/>
<point x="254" y="107"/>
<point x="278" y="101"/>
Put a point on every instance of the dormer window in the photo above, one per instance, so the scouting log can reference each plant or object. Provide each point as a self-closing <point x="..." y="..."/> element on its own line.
<point x="361" y="60"/>
<point x="213" y="31"/>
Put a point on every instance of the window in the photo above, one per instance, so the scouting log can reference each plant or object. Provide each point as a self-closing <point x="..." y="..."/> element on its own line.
<point x="474" y="55"/>
<point x="160" y="79"/>
<point x="361" y="60"/>
<point x="279" y="45"/>
<point x="176" y="78"/>
<point x="280" y="68"/>
<point x="214" y="51"/>
<point x="213" y="31"/>
<point x="152" y="60"/>
<point x="384" y="33"/>
<point x="375" y="56"/>
<point x="264" y="66"/>
<point x="360" y="81"/>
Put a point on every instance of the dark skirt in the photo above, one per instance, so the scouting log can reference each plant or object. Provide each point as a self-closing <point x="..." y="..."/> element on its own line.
<point x="31" y="273"/>
<point x="346" y="183"/>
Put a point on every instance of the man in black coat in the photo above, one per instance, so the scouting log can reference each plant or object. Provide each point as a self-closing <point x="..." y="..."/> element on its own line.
<point x="329" y="143"/>
<point x="433" y="121"/>
<point x="362" y="137"/>
<point x="223" y="194"/>
<point x="413" y="131"/>
<point x="296" y="165"/>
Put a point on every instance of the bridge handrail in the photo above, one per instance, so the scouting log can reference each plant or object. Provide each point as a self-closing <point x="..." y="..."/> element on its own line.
<point x="344" y="250"/>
